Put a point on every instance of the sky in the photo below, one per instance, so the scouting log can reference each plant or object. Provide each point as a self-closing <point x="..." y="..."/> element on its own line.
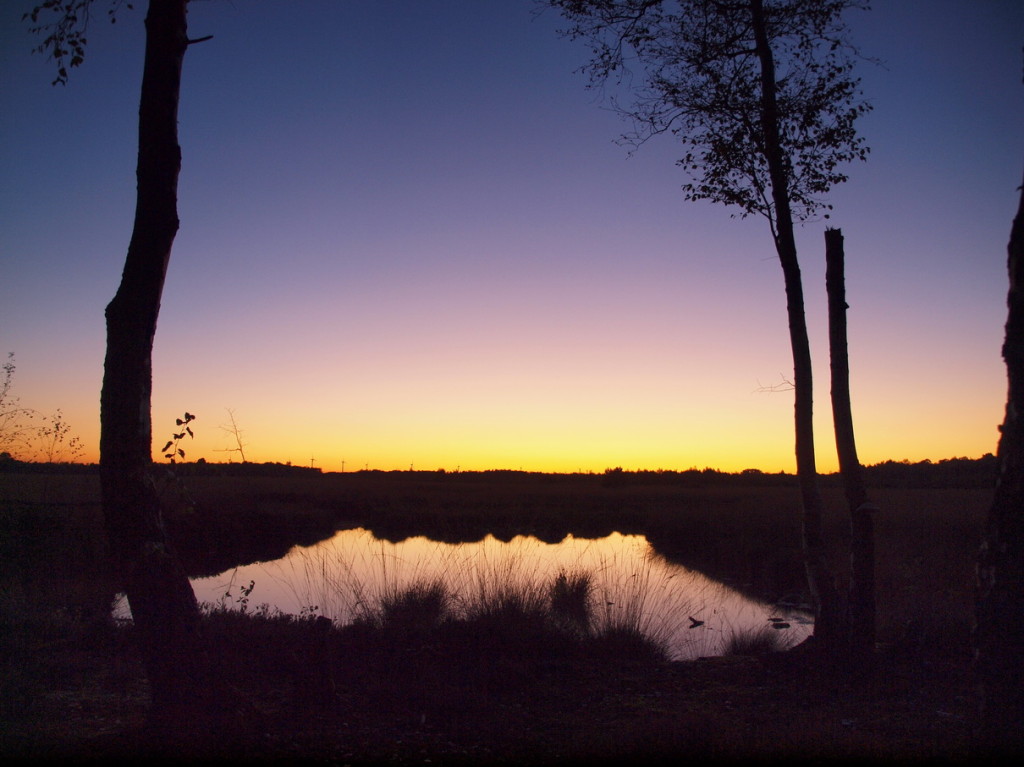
<point x="409" y="239"/>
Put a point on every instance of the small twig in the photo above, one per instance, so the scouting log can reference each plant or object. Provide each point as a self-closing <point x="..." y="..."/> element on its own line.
<point x="784" y="385"/>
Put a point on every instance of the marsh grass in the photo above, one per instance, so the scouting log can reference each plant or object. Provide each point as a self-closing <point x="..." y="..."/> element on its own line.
<point x="757" y="641"/>
<point x="420" y="608"/>
<point x="520" y="619"/>
<point x="578" y="591"/>
<point x="480" y="608"/>
<point x="613" y="589"/>
<point x="570" y="596"/>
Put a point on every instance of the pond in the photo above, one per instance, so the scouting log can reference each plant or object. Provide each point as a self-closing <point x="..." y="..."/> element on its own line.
<point x="349" y="574"/>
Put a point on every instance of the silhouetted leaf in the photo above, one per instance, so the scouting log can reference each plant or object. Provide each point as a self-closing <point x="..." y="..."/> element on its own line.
<point x="164" y="448"/>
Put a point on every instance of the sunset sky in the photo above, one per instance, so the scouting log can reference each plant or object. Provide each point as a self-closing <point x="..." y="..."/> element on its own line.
<point x="408" y="238"/>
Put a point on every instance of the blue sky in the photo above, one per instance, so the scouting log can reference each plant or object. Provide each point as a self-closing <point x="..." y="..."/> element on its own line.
<point x="408" y="237"/>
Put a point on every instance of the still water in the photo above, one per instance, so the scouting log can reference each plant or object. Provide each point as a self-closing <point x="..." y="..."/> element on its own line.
<point x="345" y="575"/>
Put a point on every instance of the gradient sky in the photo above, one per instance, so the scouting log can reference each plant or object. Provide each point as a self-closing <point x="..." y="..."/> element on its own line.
<point x="408" y="238"/>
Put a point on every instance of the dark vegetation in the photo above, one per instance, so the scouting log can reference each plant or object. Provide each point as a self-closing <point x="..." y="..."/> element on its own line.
<point x="520" y="680"/>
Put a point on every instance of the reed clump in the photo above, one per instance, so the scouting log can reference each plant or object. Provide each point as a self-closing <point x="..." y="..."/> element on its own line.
<point x="570" y="597"/>
<point x="538" y="622"/>
<point x="762" y="640"/>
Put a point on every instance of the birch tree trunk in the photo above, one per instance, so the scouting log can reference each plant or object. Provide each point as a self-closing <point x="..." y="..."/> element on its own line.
<point x="828" y="611"/>
<point x="162" y="602"/>
<point x="861" y="622"/>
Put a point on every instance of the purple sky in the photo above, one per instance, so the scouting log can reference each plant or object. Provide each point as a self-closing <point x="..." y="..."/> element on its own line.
<point x="409" y="238"/>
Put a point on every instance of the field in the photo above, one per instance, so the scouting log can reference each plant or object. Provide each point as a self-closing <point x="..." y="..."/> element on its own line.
<point x="73" y="688"/>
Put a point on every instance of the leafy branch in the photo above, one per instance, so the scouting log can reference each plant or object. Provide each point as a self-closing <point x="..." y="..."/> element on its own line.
<point x="172" y="450"/>
<point x="56" y="442"/>
<point x="64" y="38"/>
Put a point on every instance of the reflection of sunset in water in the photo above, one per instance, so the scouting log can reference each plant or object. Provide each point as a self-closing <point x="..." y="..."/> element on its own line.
<point x="352" y="571"/>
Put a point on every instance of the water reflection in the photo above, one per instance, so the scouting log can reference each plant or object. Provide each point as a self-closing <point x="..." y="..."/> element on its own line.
<point x="350" y="573"/>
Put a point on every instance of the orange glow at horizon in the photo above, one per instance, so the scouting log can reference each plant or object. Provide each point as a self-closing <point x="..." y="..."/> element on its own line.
<point x="564" y="442"/>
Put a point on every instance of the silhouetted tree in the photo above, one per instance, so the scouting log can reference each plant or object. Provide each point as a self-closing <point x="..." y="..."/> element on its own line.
<point x="862" y="525"/>
<point x="14" y="429"/>
<point x="163" y="605"/>
<point x="999" y="635"/>
<point x="233" y="430"/>
<point x="763" y="97"/>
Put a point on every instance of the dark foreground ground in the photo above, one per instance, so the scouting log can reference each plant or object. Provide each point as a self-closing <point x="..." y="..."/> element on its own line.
<point x="733" y="708"/>
<point x="73" y="690"/>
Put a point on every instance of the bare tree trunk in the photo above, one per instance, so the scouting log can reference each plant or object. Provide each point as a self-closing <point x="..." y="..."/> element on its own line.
<point x="828" y="611"/>
<point x="162" y="602"/>
<point x="862" y="535"/>
<point x="999" y="633"/>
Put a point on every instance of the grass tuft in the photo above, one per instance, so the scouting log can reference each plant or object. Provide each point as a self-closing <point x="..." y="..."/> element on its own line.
<point x="417" y="610"/>
<point x="570" y="598"/>
<point x="763" y="640"/>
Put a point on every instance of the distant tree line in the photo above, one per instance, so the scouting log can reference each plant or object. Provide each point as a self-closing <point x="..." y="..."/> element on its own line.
<point x="200" y="468"/>
<point x="948" y="472"/>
